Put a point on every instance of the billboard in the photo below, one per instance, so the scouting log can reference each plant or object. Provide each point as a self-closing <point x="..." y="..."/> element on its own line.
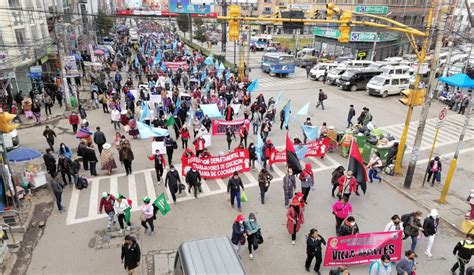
<point x="185" y="6"/>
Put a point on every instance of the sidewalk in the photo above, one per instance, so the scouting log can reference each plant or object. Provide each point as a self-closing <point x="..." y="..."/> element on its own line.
<point x="452" y="212"/>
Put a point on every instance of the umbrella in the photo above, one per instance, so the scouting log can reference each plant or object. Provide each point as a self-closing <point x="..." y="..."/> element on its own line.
<point x="99" y="52"/>
<point x="23" y="154"/>
<point x="458" y="80"/>
<point x="83" y="133"/>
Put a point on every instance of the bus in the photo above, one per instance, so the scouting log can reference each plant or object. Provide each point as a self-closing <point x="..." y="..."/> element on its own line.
<point x="278" y="64"/>
<point x="261" y="42"/>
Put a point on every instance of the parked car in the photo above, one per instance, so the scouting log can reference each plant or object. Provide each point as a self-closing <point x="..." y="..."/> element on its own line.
<point x="306" y="60"/>
<point x="317" y="72"/>
<point x="354" y="80"/>
<point x="385" y="84"/>
<point x="334" y="75"/>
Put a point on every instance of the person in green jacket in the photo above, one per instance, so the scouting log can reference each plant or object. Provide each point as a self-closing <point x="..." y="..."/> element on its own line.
<point x="253" y="233"/>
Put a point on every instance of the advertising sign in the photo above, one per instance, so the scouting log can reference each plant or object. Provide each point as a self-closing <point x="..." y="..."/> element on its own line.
<point x="184" y="6"/>
<point x="219" y="126"/>
<point x="215" y="167"/>
<point x="70" y="66"/>
<point x="372" y="9"/>
<point x="363" y="248"/>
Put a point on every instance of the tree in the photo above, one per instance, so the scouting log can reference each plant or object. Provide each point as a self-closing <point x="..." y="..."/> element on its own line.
<point x="104" y="23"/>
<point x="198" y="22"/>
<point x="200" y="35"/>
<point x="183" y="23"/>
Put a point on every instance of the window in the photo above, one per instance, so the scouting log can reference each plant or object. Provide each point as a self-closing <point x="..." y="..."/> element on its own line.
<point x="34" y="33"/>
<point x="395" y="81"/>
<point x="44" y="30"/>
<point x="20" y="36"/>
<point x="14" y="3"/>
<point x="39" y="5"/>
<point x="404" y="81"/>
<point x="267" y="1"/>
<point x="29" y="4"/>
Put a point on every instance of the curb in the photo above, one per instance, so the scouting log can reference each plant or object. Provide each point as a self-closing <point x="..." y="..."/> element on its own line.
<point x="49" y="121"/>
<point x="406" y="194"/>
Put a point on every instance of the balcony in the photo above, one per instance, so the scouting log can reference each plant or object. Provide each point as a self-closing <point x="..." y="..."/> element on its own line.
<point x="264" y="12"/>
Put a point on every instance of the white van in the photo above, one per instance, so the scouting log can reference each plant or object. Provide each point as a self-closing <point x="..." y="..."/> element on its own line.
<point x="355" y="64"/>
<point x="390" y="70"/>
<point x="317" y="72"/>
<point x="384" y="84"/>
<point x="306" y="51"/>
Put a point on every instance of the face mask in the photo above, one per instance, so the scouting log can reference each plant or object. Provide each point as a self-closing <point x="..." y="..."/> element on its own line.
<point x="396" y="222"/>
<point x="172" y="169"/>
<point x="252" y="220"/>
<point x="386" y="264"/>
<point x="241" y="222"/>
<point x="352" y="223"/>
<point x="468" y="241"/>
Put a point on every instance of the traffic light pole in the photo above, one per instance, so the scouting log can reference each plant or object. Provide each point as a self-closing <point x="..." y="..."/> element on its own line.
<point x="421" y="59"/>
<point x="224" y="28"/>
<point x="441" y="20"/>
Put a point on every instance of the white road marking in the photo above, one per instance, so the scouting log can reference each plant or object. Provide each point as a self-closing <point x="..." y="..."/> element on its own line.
<point x="150" y="189"/>
<point x="132" y="189"/>
<point x="94" y="197"/>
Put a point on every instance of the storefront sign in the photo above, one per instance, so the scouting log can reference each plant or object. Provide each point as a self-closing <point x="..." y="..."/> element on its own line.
<point x="363" y="248"/>
<point x="70" y="65"/>
<point x="355" y="36"/>
<point x="216" y="167"/>
<point x="219" y="126"/>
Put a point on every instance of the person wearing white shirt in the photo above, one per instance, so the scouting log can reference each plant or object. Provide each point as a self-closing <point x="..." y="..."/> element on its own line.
<point x="120" y="205"/>
<point x="147" y="216"/>
<point x="394" y="225"/>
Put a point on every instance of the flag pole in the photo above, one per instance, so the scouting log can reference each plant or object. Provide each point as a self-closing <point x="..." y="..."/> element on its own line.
<point x="349" y="155"/>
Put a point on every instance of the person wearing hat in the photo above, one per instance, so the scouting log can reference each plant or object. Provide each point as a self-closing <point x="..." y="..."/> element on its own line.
<point x="430" y="228"/>
<point x="99" y="139"/>
<point x="107" y="204"/>
<point x="120" y="205"/>
<point x="347" y="185"/>
<point x="238" y="233"/>
<point x="107" y="160"/>
<point x="407" y="264"/>
<point x="147" y="215"/>
<point x="295" y="218"/>
<point x="307" y="181"/>
<point x="268" y="149"/>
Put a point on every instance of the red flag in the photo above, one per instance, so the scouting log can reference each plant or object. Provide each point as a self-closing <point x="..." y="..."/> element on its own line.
<point x="356" y="164"/>
<point x="291" y="159"/>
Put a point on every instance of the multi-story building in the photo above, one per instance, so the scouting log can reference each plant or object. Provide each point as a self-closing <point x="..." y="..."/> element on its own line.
<point x="24" y="45"/>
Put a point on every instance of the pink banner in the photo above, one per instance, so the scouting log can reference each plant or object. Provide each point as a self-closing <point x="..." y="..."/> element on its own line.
<point x="316" y="148"/>
<point x="363" y="248"/>
<point x="175" y="65"/>
<point x="216" y="167"/>
<point x="219" y="126"/>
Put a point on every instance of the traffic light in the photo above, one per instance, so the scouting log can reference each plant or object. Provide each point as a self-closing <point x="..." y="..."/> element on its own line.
<point x="277" y="13"/>
<point x="415" y="96"/>
<point x="5" y="122"/>
<point x="314" y="14"/>
<point x="234" y="24"/>
<point x="330" y="10"/>
<point x="345" y="29"/>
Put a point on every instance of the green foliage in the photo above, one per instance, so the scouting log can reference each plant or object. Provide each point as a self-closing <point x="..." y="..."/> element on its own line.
<point x="200" y="35"/>
<point x="104" y="22"/>
<point x="198" y="22"/>
<point x="183" y="22"/>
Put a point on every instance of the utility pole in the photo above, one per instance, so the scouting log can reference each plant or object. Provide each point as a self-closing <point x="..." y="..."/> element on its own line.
<point x="224" y="28"/>
<point x="454" y="161"/>
<point x="374" y="46"/>
<point x="441" y="20"/>
<point x="61" y="53"/>
<point x="421" y="59"/>
<point x="457" y="10"/>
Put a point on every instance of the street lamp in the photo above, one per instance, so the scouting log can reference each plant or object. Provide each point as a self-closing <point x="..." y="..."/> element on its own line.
<point x="223" y="4"/>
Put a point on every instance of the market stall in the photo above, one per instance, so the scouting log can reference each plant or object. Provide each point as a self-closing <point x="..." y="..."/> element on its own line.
<point x="27" y="170"/>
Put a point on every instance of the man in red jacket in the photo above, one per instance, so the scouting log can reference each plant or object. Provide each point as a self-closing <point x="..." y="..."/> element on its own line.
<point x="107" y="204"/>
<point x="347" y="185"/>
<point x="199" y="145"/>
<point x="229" y="113"/>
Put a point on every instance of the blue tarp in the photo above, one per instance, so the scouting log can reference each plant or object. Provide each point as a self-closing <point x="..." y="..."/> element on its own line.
<point x="211" y="110"/>
<point x="458" y="80"/>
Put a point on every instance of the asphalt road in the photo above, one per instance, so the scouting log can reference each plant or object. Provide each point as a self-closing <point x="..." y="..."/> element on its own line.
<point x="70" y="246"/>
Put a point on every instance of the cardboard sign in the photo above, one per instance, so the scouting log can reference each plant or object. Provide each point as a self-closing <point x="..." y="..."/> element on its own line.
<point x="158" y="145"/>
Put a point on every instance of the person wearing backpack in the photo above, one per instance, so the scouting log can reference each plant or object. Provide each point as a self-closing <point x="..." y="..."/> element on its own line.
<point x="381" y="267"/>
<point x="412" y="227"/>
<point x="314" y="244"/>
<point x="321" y="97"/>
<point x="463" y="252"/>
<point x="434" y="169"/>
<point x="430" y="228"/>
<point x="253" y="232"/>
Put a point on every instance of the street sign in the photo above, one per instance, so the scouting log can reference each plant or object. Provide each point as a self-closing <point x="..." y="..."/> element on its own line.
<point x="361" y="55"/>
<point x="355" y="36"/>
<point x="372" y="9"/>
<point x="442" y="113"/>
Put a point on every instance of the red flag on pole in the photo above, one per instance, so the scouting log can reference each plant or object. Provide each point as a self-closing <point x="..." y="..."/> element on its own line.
<point x="291" y="158"/>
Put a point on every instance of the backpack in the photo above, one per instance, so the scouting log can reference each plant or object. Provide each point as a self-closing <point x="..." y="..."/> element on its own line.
<point x="372" y="265"/>
<point x="325" y="96"/>
<point x="82" y="183"/>
<point x="405" y="218"/>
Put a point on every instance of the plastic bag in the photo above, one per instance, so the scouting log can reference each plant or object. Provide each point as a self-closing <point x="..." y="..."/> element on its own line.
<point x="243" y="196"/>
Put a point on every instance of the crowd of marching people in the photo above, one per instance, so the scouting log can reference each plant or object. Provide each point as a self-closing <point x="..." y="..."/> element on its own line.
<point x="184" y="79"/>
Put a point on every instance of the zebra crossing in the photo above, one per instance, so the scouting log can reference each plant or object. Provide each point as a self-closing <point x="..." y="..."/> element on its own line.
<point x="83" y="204"/>
<point x="269" y="81"/>
<point x="448" y="133"/>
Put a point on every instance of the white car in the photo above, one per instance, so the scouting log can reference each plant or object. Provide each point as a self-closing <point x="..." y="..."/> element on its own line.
<point x="317" y="72"/>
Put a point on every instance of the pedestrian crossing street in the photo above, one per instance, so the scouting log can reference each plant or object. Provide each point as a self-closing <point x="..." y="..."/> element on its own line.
<point x="448" y="133"/>
<point x="83" y="204"/>
<point x="273" y="81"/>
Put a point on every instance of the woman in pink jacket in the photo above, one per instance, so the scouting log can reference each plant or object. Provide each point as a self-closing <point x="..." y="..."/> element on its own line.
<point x="341" y="210"/>
<point x="295" y="218"/>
